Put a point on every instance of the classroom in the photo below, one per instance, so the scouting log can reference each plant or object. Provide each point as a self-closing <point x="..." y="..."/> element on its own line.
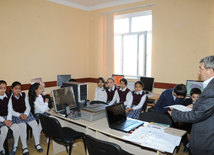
<point x="46" y="38"/>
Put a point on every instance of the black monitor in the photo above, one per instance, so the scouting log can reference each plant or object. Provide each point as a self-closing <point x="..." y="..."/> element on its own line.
<point x="63" y="78"/>
<point x="190" y="84"/>
<point x="148" y="83"/>
<point x="62" y="98"/>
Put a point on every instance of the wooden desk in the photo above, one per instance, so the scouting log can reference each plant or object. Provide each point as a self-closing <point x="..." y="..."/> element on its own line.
<point x="101" y="130"/>
<point x="153" y="97"/>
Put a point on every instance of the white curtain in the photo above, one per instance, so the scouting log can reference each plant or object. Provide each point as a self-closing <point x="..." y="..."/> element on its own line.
<point x="106" y="44"/>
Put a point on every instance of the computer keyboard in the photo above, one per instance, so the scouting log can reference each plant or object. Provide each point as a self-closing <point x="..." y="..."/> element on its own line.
<point x="125" y="124"/>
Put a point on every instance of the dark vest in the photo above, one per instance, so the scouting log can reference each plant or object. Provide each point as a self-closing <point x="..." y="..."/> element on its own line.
<point x="137" y="97"/>
<point x="122" y="94"/>
<point x="4" y="106"/>
<point x="19" y="104"/>
<point x="110" y="94"/>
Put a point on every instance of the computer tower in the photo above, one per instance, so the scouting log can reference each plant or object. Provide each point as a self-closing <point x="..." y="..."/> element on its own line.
<point x="80" y="91"/>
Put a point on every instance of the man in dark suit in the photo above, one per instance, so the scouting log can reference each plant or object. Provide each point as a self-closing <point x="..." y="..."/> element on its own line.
<point x="202" y="114"/>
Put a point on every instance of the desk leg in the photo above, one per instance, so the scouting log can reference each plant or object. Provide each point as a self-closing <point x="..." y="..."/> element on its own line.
<point x="86" y="130"/>
<point x="96" y="134"/>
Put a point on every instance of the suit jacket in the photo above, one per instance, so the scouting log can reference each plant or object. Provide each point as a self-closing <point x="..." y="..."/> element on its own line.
<point x="202" y="117"/>
<point x="166" y="99"/>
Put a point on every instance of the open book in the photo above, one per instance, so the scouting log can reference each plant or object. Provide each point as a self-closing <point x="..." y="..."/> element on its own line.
<point x="179" y="107"/>
<point x="155" y="139"/>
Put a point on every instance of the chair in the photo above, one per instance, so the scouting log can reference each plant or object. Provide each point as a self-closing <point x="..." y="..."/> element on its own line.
<point x="155" y="117"/>
<point x="99" y="147"/>
<point x="64" y="135"/>
<point x="144" y="107"/>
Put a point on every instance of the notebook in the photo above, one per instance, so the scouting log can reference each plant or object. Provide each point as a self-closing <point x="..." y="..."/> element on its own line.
<point x="117" y="119"/>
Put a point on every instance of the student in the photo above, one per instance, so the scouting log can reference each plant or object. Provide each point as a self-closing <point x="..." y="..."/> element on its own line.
<point x="194" y="95"/>
<point x="100" y="93"/>
<point x="110" y="90"/>
<point x="123" y="94"/>
<point x="22" y="115"/>
<point x="6" y="120"/>
<point x="171" y="97"/>
<point x="133" y="109"/>
<point x="37" y="103"/>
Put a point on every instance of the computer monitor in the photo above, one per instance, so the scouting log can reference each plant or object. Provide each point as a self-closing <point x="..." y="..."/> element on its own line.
<point x="80" y="91"/>
<point x="148" y="83"/>
<point x="117" y="78"/>
<point x="190" y="84"/>
<point x="63" y="78"/>
<point x="62" y="98"/>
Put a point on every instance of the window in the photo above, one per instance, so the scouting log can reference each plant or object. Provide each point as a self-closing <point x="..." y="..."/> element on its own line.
<point x="132" y="44"/>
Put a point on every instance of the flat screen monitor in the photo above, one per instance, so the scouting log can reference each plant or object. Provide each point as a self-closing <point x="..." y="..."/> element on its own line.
<point x="62" y="98"/>
<point x="62" y="78"/>
<point x="117" y="78"/>
<point x="148" y="83"/>
<point x="190" y="84"/>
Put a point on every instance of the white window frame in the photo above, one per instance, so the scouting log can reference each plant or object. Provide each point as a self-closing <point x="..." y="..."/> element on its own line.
<point x="130" y="16"/>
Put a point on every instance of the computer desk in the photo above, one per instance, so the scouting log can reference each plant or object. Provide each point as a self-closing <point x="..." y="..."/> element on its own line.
<point x="100" y="130"/>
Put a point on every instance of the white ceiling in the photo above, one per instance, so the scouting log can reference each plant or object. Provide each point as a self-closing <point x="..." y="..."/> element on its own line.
<point x="89" y="5"/>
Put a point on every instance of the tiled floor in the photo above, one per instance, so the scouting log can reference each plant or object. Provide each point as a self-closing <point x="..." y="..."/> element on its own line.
<point x="78" y="148"/>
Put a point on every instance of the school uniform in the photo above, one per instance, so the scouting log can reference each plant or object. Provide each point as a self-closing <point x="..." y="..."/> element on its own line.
<point x="188" y="101"/>
<point x="111" y="94"/>
<point x="166" y="99"/>
<point x="100" y="94"/>
<point x="40" y="106"/>
<point x="123" y="95"/>
<point x="6" y="114"/>
<point x="139" y="99"/>
<point x="20" y="106"/>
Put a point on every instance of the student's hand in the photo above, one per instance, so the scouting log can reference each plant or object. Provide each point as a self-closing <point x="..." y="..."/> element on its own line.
<point x="23" y="117"/>
<point x="128" y="110"/>
<point x="46" y="100"/>
<point x="8" y="123"/>
<point x="190" y="106"/>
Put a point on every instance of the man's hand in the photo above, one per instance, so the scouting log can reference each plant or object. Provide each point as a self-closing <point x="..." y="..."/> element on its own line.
<point x="170" y="112"/>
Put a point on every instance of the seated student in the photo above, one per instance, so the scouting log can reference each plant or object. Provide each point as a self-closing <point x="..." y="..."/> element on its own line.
<point x="37" y="103"/>
<point x="171" y="97"/>
<point x="110" y="90"/>
<point x="6" y="120"/>
<point x="22" y="115"/>
<point x="134" y="107"/>
<point x="100" y="92"/>
<point x="123" y="94"/>
<point x="194" y="95"/>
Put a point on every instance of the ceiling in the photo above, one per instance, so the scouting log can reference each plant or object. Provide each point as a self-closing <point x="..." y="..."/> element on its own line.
<point x="89" y="5"/>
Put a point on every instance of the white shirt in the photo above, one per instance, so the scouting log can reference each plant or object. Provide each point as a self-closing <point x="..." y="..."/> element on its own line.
<point x="142" y="101"/>
<point x="100" y="94"/>
<point x="9" y="114"/>
<point x="39" y="105"/>
<point x="27" y="111"/>
<point x="116" y="97"/>
<point x="205" y="83"/>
